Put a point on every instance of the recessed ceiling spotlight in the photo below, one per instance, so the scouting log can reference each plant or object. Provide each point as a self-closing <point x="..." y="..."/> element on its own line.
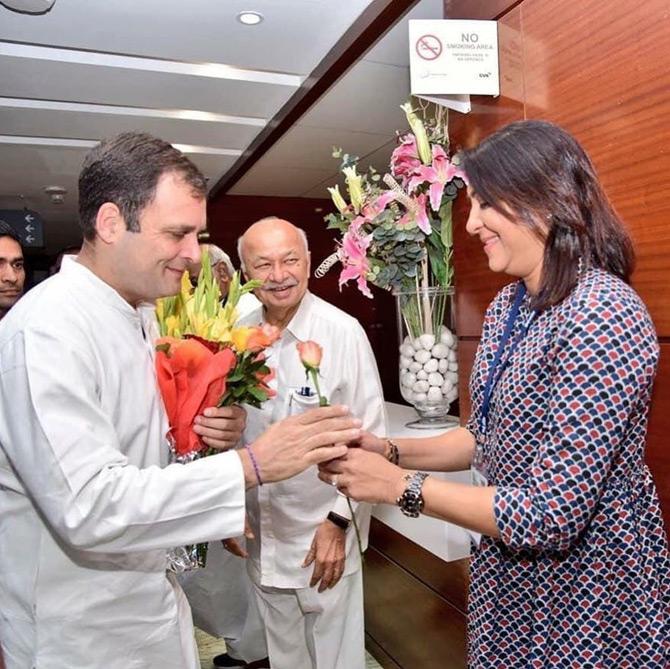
<point x="250" y="18"/>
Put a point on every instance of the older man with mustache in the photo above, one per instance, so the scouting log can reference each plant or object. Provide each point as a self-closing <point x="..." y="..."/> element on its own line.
<point x="304" y="561"/>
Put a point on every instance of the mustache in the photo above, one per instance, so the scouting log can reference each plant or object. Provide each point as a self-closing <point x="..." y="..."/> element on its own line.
<point x="271" y="285"/>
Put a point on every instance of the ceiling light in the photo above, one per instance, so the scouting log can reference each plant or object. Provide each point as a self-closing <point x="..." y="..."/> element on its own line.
<point x="56" y="193"/>
<point x="250" y="18"/>
<point x="143" y="64"/>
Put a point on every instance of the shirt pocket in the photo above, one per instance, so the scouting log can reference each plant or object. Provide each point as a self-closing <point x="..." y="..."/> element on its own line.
<point x="297" y="403"/>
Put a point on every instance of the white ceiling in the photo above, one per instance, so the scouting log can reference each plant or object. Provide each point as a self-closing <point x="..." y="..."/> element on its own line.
<point x="191" y="73"/>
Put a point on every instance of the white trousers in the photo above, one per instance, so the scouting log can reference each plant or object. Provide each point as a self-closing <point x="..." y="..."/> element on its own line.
<point x="306" y="629"/>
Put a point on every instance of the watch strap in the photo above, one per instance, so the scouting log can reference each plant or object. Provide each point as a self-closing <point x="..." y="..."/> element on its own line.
<point x="411" y="500"/>
<point x="340" y="521"/>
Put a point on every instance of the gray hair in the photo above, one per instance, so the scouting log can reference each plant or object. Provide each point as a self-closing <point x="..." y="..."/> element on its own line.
<point x="240" y="239"/>
<point x="217" y="255"/>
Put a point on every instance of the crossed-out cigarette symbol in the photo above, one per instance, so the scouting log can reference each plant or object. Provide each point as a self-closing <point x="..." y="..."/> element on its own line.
<point x="428" y="47"/>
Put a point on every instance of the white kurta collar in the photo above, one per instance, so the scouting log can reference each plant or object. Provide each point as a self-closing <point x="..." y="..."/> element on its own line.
<point x="299" y="325"/>
<point x="102" y="290"/>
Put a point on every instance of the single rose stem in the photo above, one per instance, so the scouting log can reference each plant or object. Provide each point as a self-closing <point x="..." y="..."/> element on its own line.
<point x="323" y="402"/>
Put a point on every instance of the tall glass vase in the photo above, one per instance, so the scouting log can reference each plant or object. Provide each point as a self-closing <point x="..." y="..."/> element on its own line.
<point x="428" y="363"/>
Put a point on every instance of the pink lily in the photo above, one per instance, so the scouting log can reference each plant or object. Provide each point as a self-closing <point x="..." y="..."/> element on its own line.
<point x="356" y="225"/>
<point x="352" y="255"/>
<point x="438" y="175"/>
<point x="416" y="213"/>
<point x="405" y="158"/>
<point x="373" y="210"/>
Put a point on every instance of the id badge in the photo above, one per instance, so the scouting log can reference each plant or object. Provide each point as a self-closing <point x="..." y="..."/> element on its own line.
<point x="478" y="468"/>
<point x="478" y="477"/>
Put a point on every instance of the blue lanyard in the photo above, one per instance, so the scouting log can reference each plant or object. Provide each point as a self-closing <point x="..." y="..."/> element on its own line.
<point x="495" y="374"/>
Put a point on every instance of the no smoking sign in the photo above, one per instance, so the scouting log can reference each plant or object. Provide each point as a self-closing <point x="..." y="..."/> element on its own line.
<point x="428" y="47"/>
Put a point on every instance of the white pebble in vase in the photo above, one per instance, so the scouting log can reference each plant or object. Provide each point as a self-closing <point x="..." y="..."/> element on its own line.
<point x="408" y="379"/>
<point x="421" y="387"/>
<point x="422" y="375"/>
<point x="443" y="366"/>
<point x="407" y="350"/>
<point x="427" y="341"/>
<point x="447" y="338"/>
<point x="434" y="395"/>
<point x="415" y="367"/>
<point x="452" y="375"/>
<point x="440" y="351"/>
<point x="419" y="397"/>
<point x="431" y="366"/>
<point x="422" y="356"/>
<point x="405" y="361"/>
<point x="435" y="379"/>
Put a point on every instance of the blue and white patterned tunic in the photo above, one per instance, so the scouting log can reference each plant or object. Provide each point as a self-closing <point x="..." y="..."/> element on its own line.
<point x="580" y="577"/>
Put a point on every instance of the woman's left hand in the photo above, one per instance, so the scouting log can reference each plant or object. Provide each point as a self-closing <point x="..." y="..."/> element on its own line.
<point x="364" y="476"/>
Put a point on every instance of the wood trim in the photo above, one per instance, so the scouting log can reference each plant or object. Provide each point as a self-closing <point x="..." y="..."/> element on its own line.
<point x="478" y="9"/>
<point x="386" y="661"/>
<point x="375" y="20"/>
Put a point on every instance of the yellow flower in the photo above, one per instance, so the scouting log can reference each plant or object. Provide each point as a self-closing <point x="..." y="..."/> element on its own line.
<point x="338" y="200"/>
<point x="419" y="130"/>
<point x="355" y="188"/>
<point x="240" y="338"/>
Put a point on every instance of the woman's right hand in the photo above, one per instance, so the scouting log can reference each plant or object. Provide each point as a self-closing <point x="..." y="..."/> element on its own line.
<point x="364" y="476"/>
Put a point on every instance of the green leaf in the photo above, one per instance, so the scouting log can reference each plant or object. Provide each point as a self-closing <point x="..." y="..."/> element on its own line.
<point x="236" y="375"/>
<point x="446" y="232"/>
<point x="257" y="393"/>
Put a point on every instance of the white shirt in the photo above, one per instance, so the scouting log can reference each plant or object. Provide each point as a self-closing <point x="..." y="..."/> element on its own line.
<point x="247" y="304"/>
<point x="88" y="504"/>
<point x="285" y="515"/>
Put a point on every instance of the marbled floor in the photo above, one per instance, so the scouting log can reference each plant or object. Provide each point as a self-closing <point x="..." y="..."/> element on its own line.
<point x="210" y="646"/>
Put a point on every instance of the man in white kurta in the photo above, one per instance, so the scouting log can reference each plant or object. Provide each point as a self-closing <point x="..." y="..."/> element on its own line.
<point x="312" y="609"/>
<point x="88" y="506"/>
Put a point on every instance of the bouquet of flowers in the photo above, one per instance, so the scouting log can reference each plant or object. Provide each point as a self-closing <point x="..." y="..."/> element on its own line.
<point x="203" y="359"/>
<point x="397" y="234"/>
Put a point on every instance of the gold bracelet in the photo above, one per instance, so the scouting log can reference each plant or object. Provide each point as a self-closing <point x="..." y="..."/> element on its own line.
<point x="393" y="454"/>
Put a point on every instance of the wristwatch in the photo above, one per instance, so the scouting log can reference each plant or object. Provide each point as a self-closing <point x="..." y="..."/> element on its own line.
<point x="339" y="521"/>
<point x="411" y="501"/>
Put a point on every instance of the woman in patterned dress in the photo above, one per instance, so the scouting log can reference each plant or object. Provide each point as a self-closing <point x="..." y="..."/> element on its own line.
<point x="573" y="568"/>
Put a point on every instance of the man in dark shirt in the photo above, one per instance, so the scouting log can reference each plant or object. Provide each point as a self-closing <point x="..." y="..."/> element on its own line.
<point x="12" y="272"/>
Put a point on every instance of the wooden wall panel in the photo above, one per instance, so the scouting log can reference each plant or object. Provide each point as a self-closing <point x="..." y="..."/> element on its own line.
<point x="475" y="284"/>
<point x="601" y="70"/>
<point x="448" y="579"/>
<point x="477" y="9"/>
<point x="414" y="626"/>
<point x="609" y="87"/>
<point x="414" y="604"/>
<point x="467" y="348"/>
